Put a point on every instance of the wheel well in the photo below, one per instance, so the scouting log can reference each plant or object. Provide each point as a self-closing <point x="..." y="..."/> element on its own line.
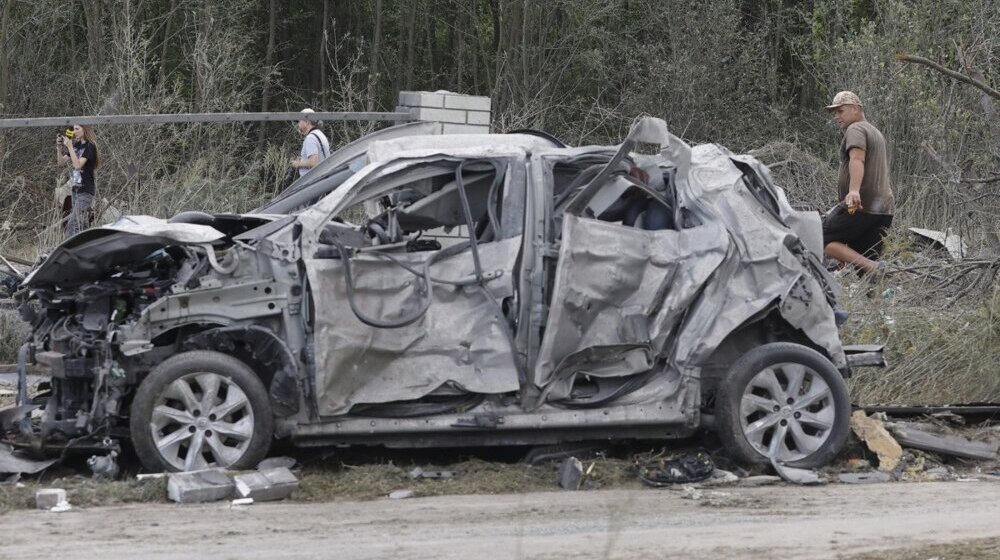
<point x="759" y="330"/>
<point x="266" y="354"/>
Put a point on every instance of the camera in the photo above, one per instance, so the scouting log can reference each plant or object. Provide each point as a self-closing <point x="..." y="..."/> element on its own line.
<point x="68" y="133"/>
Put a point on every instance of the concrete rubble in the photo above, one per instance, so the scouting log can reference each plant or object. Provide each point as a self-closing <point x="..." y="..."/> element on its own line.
<point x="571" y="474"/>
<point x="864" y="477"/>
<point x="872" y="432"/>
<point x="400" y="494"/>
<point x="197" y="487"/>
<point x="266" y="485"/>
<point x="51" y="499"/>
<point x="418" y="473"/>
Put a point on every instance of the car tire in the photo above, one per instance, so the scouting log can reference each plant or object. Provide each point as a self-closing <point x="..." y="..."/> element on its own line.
<point x="783" y="401"/>
<point x="201" y="409"/>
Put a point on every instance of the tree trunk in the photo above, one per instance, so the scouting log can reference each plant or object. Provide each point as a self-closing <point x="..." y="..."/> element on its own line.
<point x="265" y="96"/>
<point x="323" y="42"/>
<point x="4" y="59"/>
<point x="985" y="102"/>
<point x="411" y="24"/>
<point x="167" y="30"/>
<point x="460" y="46"/>
<point x="373" y="68"/>
<point x="95" y="33"/>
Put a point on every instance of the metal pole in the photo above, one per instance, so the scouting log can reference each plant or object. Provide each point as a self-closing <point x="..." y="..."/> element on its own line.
<point x="36" y="122"/>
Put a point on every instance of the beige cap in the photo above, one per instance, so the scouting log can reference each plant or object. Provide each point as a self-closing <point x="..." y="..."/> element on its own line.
<point x="844" y="98"/>
<point x="307" y="117"/>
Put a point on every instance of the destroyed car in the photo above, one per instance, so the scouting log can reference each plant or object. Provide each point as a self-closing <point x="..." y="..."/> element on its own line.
<point x="419" y="290"/>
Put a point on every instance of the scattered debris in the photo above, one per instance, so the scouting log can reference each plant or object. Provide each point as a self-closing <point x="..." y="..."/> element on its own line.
<point x="267" y="485"/>
<point x="51" y="499"/>
<point x="872" y="431"/>
<point x="548" y="453"/>
<point x="275" y="462"/>
<point x="760" y="480"/>
<point x="197" y="487"/>
<point x="720" y="476"/>
<point x="104" y="467"/>
<point x="864" y="478"/>
<point x="918" y="437"/>
<point x="661" y="471"/>
<point x="12" y="462"/>
<point x="950" y="241"/>
<point x="795" y="475"/>
<point x="938" y="472"/>
<point x="950" y="417"/>
<point x="858" y="464"/>
<point x="571" y="474"/>
<point x="418" y="472"/>
<point x="400" y="494"/>
<point x="241" y="502"/>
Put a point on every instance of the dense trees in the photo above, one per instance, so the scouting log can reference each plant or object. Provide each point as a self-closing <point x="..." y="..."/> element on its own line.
<point x="750" y="74"/>
<point x="745" y="73"/>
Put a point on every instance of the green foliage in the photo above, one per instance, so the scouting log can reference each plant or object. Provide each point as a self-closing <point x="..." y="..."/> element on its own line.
<point x="750" y="74"/>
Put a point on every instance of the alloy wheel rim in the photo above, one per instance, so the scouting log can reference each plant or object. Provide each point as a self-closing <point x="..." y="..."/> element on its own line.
<point x="202" y="420"/>
<point x="787" y="412"/>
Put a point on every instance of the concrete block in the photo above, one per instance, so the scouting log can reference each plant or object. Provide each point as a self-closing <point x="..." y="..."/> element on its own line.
<point x="571" y="474"/>
<point x="450" y="128"/>
<point x="478" y="117"/>
<point x="468" y="102"/>
<point x="421" y="99"/>
<point x="400" y="494"/>
<point x="440" y="115"/>
<point x="48" y="498"/>
<point x="266" y="485"/>
<point x="197" y="487"/>
<point x="275" y="462"/>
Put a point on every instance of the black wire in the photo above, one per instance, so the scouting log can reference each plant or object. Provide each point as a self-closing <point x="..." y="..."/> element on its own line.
<point x="378" y="323"/>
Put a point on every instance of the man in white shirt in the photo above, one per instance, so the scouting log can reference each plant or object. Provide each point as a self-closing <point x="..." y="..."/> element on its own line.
<point x="315" y="146"/>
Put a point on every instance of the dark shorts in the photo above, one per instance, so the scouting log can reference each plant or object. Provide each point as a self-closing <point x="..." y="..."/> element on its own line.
<point x="861" y="232"/>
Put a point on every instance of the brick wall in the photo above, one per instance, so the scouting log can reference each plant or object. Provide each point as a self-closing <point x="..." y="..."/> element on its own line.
<point x="456" y="113"/>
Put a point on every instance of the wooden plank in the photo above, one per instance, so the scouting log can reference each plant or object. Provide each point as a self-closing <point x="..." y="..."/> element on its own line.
<point x="910" y="435"/>
<point x="55" y="122"/>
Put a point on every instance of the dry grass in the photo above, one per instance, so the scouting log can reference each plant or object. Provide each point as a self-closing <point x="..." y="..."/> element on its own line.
<point x="13" y="332"/>
<point x="84" y="492"/>
<point x="325" y="483"/>
<point x="940" y="322"/>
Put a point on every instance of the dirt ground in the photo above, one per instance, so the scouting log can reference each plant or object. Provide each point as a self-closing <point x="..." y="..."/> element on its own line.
<point x="895" y="520"/>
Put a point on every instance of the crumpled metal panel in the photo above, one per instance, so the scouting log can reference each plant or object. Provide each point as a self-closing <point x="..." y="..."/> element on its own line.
<point x="459" y="340"/>
<point x="759" y="271"/>
<point x="619" y="291"/>
<point x="90" y="254"/>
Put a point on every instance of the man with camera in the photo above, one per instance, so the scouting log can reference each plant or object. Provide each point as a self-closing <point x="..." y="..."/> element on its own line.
<point x="81" y="152"/>
<point x="315" y="146"/>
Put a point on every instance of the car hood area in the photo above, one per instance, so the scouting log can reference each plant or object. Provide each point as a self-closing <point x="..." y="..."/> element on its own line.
<point x="101" y="252"/>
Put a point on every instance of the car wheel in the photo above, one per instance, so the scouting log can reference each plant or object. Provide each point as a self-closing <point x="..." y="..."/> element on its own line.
<point x="201" y="409"/>
<point x="783" y="402"/>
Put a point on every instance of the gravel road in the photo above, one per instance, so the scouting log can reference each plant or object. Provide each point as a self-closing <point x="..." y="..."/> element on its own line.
<point x="777" y="521"/>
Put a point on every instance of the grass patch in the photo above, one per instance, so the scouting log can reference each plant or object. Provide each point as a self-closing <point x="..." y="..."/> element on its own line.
<point x="326" y="483"/>
<point x="473" y="476"/>
<point x="941" y="331"/>
<point x="84" y="492"/>
<point x="13" y="333"/>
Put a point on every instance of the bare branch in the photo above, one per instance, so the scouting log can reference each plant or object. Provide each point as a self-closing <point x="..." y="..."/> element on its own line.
<point x="947" y="72"/>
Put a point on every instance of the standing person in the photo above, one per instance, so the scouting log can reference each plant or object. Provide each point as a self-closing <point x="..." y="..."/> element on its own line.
<point x="853" y="231"/>
<point x="81" y="153"/>
<point x="315" y="146"/>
